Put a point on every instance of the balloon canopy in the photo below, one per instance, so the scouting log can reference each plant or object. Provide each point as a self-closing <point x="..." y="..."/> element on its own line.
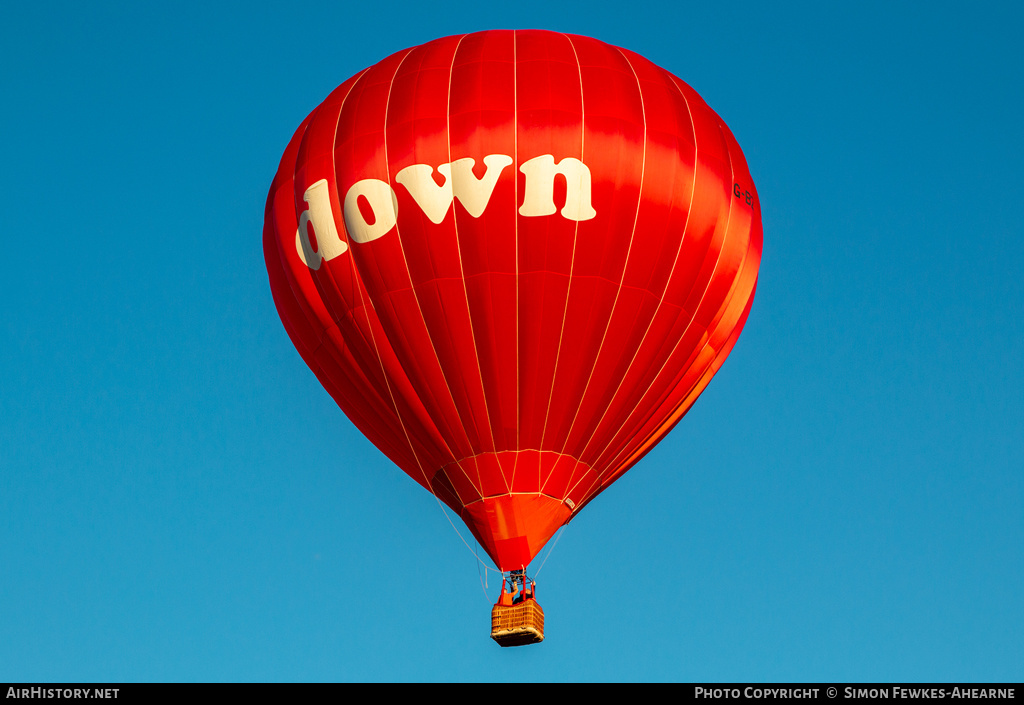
<point x="514" y="259"/>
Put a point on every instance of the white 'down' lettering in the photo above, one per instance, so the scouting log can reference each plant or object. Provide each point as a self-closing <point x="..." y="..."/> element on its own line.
<point x="459" y="182"/>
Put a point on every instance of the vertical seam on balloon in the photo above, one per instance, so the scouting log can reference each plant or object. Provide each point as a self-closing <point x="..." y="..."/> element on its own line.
<point x="327" y="270"/>
<point x="730" y="295"/>
<point x="664" y="292"/>
<point x="725" y="240"/>
<point x="703" y="377"/>
<point x="616" y="464"/>
<point x="629" y="250"/>
<point x="280" y="237"/>
<point x="322" y="338"/>
<point x="515" y="220"/>
<point x="662" y="301"/>
<point x="572" y="263"/>
<point x="462" y="271"/>
<point x="668" y="281"/>
<point x="281" y="241"/>
<point x="367" y="304"/>
<point x="412" y="287"/>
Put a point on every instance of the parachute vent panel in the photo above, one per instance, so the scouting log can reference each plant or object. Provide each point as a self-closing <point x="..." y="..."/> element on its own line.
<point x="518" y="624"/>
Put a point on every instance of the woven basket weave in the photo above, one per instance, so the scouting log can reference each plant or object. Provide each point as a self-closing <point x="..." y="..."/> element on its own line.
<point x="519" y="624"/>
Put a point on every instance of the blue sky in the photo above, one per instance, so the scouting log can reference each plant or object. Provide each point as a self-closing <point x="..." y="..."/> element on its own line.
<point x="181" y="501"/>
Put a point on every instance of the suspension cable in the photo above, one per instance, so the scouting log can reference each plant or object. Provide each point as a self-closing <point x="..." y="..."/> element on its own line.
<point x="479" y="562"/>
<point x="561" y="529"/>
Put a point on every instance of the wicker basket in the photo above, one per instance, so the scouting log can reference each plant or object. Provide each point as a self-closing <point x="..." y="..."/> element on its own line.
<point x="518" y="624"/>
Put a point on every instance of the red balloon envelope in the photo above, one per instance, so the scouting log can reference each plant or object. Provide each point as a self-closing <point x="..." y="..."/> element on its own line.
<point x="514" y="259"/>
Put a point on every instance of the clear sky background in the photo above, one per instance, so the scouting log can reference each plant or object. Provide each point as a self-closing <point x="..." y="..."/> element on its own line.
<point x="181" y="501"/>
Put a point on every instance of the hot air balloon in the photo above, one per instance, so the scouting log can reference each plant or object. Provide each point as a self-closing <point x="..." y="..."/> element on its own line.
<point x="514" y="259"/>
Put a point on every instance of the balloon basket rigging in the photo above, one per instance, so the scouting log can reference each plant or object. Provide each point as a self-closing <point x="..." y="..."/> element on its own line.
<point x="517" y="618"/>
